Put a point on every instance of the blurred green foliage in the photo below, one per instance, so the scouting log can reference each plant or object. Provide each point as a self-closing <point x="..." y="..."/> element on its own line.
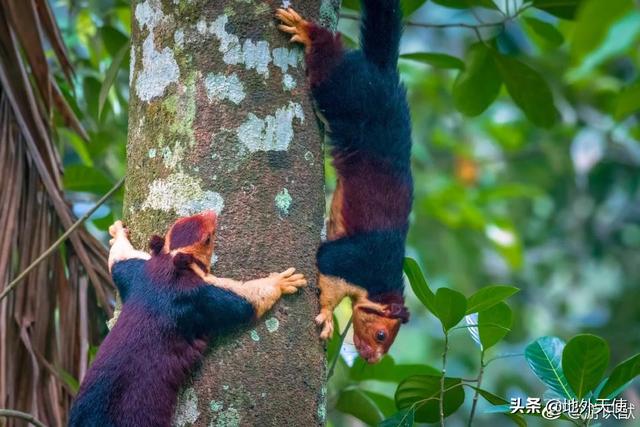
<point x="526" y="161"/>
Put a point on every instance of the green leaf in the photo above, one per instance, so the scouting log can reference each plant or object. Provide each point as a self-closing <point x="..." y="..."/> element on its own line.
<point x="110" y="76"/>
<point x="450" y="307"/>
<point x="628" y="101"/>
<point x="437" y="60"/>
<point x="493" y="324"/>
<point x="499" y="401"/>
<point x="400" y="419"/>
<point x="528" y="89"/>
<point x="544" y="356"/>
<point x="478" y="85"/>
<point x="83" y="178"/>
<point x="78" y="144"/>
<point x="361" y="405"/>
<point x="410" y="6"/>
<point x="594" y="21"/>
<point x="351" y="4"/>
<point x="113" y="40"/>
<point x="584" y="360"/>
<point x="423" y="393"/>
<point x="419" y="284"/>
<point x="545" y="30"/>
<point x="489" y="296"/>
<point x="466" y="4"/>
<point x="565" y="9"/>
<point x="387" y="370"/>
<point x="620" y="376"/>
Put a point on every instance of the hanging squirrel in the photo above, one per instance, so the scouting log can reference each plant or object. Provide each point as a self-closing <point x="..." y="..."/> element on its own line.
<point x="359" y="96"/>
<point x="172" y="306"/>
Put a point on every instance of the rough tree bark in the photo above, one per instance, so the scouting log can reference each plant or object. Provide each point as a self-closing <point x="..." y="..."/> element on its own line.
<point x="220" y="118"/>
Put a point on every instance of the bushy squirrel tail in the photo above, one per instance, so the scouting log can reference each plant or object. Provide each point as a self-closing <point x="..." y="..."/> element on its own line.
<point x="381" y="28"/>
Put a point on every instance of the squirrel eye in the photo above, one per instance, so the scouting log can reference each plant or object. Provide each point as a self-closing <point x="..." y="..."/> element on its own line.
<point x="208" y="241"/>
<point x="381" y="336"/>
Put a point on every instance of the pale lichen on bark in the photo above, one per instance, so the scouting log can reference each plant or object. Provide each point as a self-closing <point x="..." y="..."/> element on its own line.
<point x="220" y="118"/>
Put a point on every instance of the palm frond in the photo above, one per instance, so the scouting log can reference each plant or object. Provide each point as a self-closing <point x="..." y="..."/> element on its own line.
<point x="49" y="323"/>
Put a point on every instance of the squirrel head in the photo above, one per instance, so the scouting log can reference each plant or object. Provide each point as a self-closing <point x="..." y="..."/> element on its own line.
<point x="190" y="240"/>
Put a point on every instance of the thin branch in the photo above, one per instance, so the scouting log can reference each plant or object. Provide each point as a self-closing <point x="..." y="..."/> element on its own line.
<point x="10" y="413"/>
<point x="444" y="373"/>
<point x="476" y="392"/>
<point x="60" y="240"/>
<point x="340" y="342"/>
<point x="503" y="356"/>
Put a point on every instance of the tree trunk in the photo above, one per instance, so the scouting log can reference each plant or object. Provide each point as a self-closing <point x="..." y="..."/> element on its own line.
<point x="220" y="118"/>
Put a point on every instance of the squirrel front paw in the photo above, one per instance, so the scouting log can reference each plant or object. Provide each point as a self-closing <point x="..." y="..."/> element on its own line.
<point x="294" y="24"/>
<point x="287" y="282"/>
<point x="117" y="230"/>
<point x="325" y="319"/>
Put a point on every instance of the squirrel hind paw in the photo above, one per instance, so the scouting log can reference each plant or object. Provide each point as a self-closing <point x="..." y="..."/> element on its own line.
<point x="294" y="24"/>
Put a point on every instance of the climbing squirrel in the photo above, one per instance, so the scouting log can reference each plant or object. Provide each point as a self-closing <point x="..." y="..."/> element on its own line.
<point x="172" y="305"/>
<point x="359" y="96"/>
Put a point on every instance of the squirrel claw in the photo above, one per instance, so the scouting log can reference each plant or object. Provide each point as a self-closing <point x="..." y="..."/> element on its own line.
<point x="325" y="318"/>
<point x="294" y="24"/>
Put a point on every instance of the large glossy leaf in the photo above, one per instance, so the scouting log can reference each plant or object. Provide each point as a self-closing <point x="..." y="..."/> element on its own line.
<point x="466" y="4"/>
<point x="561" y="8"/>
<point x="594" y="21"/>
<point x="361" y="405"/>
<point x="545" y="30"/>
<point x="404" y="418"/>
<point x="544" y="356"/>
<point x="584" y="360"/>
<point x="489" y="296"/>
<point x="450" y="307"/>
<point x="387" y="370"/>
<point x="528" y="89"/>
<point x="437" y="60"/>
<point x="419" y="284"/>
<point x="620" y="376"/>
<point x="423" y="393"/>
<point x="493" y="324"/>
<point x="478" y="85"/>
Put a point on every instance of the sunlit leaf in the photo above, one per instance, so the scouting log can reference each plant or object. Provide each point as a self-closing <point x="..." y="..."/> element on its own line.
<point x="489" y="296"/>
<point x="545" y="30"/>
<point x="494" y="323"/>
<point x="472" y="319"/>
<point x="528" y="89"/>
<point x="621" y="375"/>
<point x="478" y="85"/>
<point x="437" y="60"/>
<point x="544" y="356"/>
<point x="423" y="393"/>
<point x="451" y="307"/>
<point x="419" y="284"/>
<point x="594" y="20"/>
<point x="584" y="361"/>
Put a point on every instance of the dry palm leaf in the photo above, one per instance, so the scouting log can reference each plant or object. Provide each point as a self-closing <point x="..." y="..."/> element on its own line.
<point x="49" y="322"/>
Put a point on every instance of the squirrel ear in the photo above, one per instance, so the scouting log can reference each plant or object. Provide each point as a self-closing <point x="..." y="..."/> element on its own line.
<point x="398" y="311"/>
<point x="156" y="243"/>
<point x="183" y="261"/>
